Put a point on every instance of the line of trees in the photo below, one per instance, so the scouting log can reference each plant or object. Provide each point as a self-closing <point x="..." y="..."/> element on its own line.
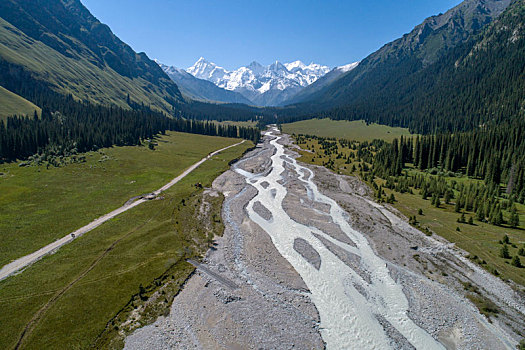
<point x="89" y="127"/>
<point x="67" y="123"/>
<point x="495" y="155"/>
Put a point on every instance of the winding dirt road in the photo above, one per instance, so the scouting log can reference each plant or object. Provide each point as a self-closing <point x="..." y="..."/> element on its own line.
<point x="21" y="263"/>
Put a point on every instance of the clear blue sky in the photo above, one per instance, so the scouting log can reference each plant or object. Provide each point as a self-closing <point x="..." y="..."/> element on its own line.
<point x="233" y="33"/>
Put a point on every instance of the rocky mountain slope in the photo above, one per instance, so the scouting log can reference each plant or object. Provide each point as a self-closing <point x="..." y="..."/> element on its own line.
<point x="264" y="85"/>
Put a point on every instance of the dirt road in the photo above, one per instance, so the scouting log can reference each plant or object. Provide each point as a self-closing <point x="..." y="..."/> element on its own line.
<point x="21" y="263"/>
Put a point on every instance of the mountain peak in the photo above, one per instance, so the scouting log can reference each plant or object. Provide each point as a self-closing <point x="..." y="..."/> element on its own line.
<point x="347" y="67"/>
<point x="277" y="66"/>
<point x="295" y="65"/>
<point x="276" y="81"/>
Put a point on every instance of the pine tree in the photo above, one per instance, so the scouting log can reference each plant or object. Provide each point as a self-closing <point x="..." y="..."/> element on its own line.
<point x="480" y="214"/>
<point x="504" y="252"/>
<point x="448" y="197"/>
<point x="514" y="219"/>
<point x="391" y="199"/>
<point x="457" y="206"/>
<point x="521" y="251"/>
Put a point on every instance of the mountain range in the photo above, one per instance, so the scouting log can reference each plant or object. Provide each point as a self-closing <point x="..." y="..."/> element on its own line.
<point x="200" y="89"/>
<point x="432" y="78"/>
<point x="263" y="85"/>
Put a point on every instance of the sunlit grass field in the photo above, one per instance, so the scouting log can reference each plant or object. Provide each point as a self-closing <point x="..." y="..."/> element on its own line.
<point x="88" y="287"/>
<point x="11" y="104"/>
<point x="40" y="204"/>
<point x="342" y="129"/>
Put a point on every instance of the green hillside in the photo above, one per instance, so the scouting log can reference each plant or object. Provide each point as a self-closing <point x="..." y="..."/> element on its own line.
<point x="11" y="104"/>
<point x="62" y="44"/>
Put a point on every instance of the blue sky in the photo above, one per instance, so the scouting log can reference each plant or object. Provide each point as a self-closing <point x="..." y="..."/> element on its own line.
<point x="234" y="33"/>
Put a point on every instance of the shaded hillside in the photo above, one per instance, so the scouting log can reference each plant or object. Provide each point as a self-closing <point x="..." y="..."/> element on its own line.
<point x="445" y="75"/>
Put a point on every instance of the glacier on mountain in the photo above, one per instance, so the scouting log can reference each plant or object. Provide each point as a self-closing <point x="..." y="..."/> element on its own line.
<point x="264" y="85"/>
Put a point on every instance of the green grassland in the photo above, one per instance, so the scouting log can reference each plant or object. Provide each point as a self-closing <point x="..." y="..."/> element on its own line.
<point x="11" y="104"/>
<point x="77" y="76"/>
<point x="132" y="265"/>
<point x="481" y="240"/>
<point x="41" y="204"/>
<point x="248" y="124"/>
<point x="350" y="130"/>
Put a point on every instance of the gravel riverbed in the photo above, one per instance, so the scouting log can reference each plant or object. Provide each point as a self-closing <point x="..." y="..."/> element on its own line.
<point x="275" y="304"/>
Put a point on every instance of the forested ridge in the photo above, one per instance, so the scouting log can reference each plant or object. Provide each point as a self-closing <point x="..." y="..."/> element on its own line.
<point x="481" y="80"/>
<point x="495" y="155"/>
<point x="468" y="104"/>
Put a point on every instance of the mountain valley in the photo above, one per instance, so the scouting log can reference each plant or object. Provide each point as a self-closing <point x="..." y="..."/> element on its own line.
<point x="378" y="204"/>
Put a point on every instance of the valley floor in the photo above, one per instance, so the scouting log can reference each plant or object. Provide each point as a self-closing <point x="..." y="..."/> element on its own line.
<point x="124" y="273"/>
<point x="311" y="261"/>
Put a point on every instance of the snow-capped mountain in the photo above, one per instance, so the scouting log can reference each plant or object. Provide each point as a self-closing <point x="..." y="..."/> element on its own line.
<point x="199" y="89"/>
<point x="347" y="67"/>
<point x="320" y="83"/>
<point x="264" y="85"/>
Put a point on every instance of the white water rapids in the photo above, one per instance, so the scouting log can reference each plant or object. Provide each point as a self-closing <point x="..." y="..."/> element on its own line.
<point x="348" y="305"/>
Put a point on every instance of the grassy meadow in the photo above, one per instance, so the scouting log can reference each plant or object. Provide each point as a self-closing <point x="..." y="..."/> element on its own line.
<point x="132" y="265"/>
<point x="40" y="204"/>
<point x="343" y="129"/>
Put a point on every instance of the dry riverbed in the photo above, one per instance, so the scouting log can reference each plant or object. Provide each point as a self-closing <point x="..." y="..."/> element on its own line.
<point x="284" y="280"/>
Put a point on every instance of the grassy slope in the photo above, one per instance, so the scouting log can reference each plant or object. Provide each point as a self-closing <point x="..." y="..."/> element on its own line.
<point x="151" y="240"/>
<point x="480" y="239"/>
<point x="354" y="130"/>
<point x="78" y="77"/>
<point x="40" y="205"/>
<point x="11" y="104"/>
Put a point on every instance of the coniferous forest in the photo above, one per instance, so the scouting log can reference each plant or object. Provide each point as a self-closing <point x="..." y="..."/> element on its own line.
<point x="495" y="155"/>
<point x="480" y="81"/>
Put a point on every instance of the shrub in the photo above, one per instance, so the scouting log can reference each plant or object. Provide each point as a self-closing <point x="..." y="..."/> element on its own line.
<point x="521" y="251"/>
